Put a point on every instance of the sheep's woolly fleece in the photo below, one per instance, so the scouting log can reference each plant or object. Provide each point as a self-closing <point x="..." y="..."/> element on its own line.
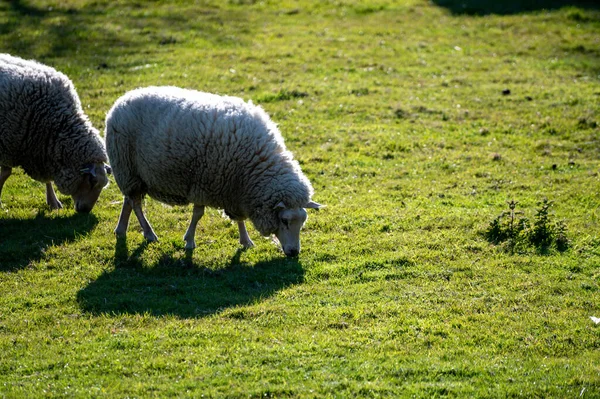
<point x="43" y="128"/>
<point x="184" y="146"/>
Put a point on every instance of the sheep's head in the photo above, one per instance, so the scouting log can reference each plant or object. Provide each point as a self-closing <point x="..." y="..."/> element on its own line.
<point x="289" y="223"/>
<point x="84" y="185"/>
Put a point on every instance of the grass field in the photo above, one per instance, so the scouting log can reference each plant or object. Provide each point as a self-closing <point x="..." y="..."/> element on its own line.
<point x="416" y="121"/>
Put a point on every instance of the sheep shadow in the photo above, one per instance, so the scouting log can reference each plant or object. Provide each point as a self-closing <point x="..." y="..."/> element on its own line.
<point x="509" y="7"/>
<point x="179" y="287"/>
<point x="23" y="241"/>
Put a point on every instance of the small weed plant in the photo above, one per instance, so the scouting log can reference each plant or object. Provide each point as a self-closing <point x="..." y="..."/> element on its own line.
<point x="517" y="234"/>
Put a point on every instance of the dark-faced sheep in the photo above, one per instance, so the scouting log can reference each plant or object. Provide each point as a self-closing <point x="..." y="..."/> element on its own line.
<point x="184" y="146"/>
<point x="44" y="130"/>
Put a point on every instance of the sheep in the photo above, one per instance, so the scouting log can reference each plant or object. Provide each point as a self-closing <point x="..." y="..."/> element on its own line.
<point x="44" y="130"/>
<point x="183" y="146"/>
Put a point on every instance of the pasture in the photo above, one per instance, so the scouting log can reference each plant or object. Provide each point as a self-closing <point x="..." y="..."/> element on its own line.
<point x="416" y="121"/>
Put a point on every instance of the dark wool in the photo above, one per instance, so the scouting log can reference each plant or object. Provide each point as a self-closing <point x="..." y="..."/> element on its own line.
<point x="43" y="128"/>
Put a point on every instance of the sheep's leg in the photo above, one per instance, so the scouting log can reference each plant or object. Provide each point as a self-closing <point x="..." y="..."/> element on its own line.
<point x="5" y="172"/>
<point x="51" y="199"/>
<point x="190" y="234"/>
<point x="136" y="204"/>
<point x="244" y="237"/>
<point x="121" y="229"/>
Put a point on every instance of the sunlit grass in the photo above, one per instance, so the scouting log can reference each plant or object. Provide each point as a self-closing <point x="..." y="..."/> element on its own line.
<point x="415" y="121"/>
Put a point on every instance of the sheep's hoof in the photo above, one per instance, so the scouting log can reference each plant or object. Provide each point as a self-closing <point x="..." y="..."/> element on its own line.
<point x="120" y="232"/>
<point x="151" y="237"/>
<point x="55" y="205"/>
<point x="247" y="244"/>
<point x="190" y="241"/>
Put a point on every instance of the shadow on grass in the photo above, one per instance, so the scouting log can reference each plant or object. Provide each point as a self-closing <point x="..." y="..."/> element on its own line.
<point x="23" y="241"/>
<point x="98" y="31"/>
<point x="486" y="7"/>
<point x="39" y="32"/>
<point x="179" y="287"/>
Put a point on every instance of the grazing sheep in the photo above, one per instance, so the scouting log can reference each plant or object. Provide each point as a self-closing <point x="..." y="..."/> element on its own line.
<point x="44" y="131"/>
<point x="183" y="146"/>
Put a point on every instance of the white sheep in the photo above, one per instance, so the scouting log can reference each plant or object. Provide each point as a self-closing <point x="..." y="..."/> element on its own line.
<point x="44" y="130"/>
<point x="183" y="146"/>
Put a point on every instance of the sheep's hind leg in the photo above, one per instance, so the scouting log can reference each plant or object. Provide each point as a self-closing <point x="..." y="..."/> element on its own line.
<point x="136" y="204"/>
<point x="5" y="172"/>
<point x="190" y="234"/>
<point x="51" y="199"/>
<point x="121" y="229"/>
<point x="244" y="237"/>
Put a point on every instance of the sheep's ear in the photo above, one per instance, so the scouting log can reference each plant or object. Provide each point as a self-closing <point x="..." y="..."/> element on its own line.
<point x="313" y="205"/>
<point x="91" y="169"/>
<point x="280" y="205"/>
<point x="108" y="169"/>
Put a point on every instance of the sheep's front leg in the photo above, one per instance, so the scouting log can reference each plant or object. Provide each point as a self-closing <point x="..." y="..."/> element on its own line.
<point x="136" y="204"/>
<point x="5" y="172"/>
<point x="121" y="229"/>
<point x="244" y="237"/>
<point x="190" y="234"/>
<point x="51" y="199"/>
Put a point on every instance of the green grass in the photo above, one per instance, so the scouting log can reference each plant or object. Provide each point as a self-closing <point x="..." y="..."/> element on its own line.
<point x="396" y="112"/>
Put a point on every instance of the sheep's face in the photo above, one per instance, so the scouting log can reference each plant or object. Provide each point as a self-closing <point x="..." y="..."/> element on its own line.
<point x="84" y="185"/>
<point x="288" y="229"/>
<point x="290" y="222"/>
<point x="93" y="179"/>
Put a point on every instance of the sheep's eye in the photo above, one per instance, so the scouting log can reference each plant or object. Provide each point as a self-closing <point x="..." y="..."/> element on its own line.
<point x="285" y="222"/>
